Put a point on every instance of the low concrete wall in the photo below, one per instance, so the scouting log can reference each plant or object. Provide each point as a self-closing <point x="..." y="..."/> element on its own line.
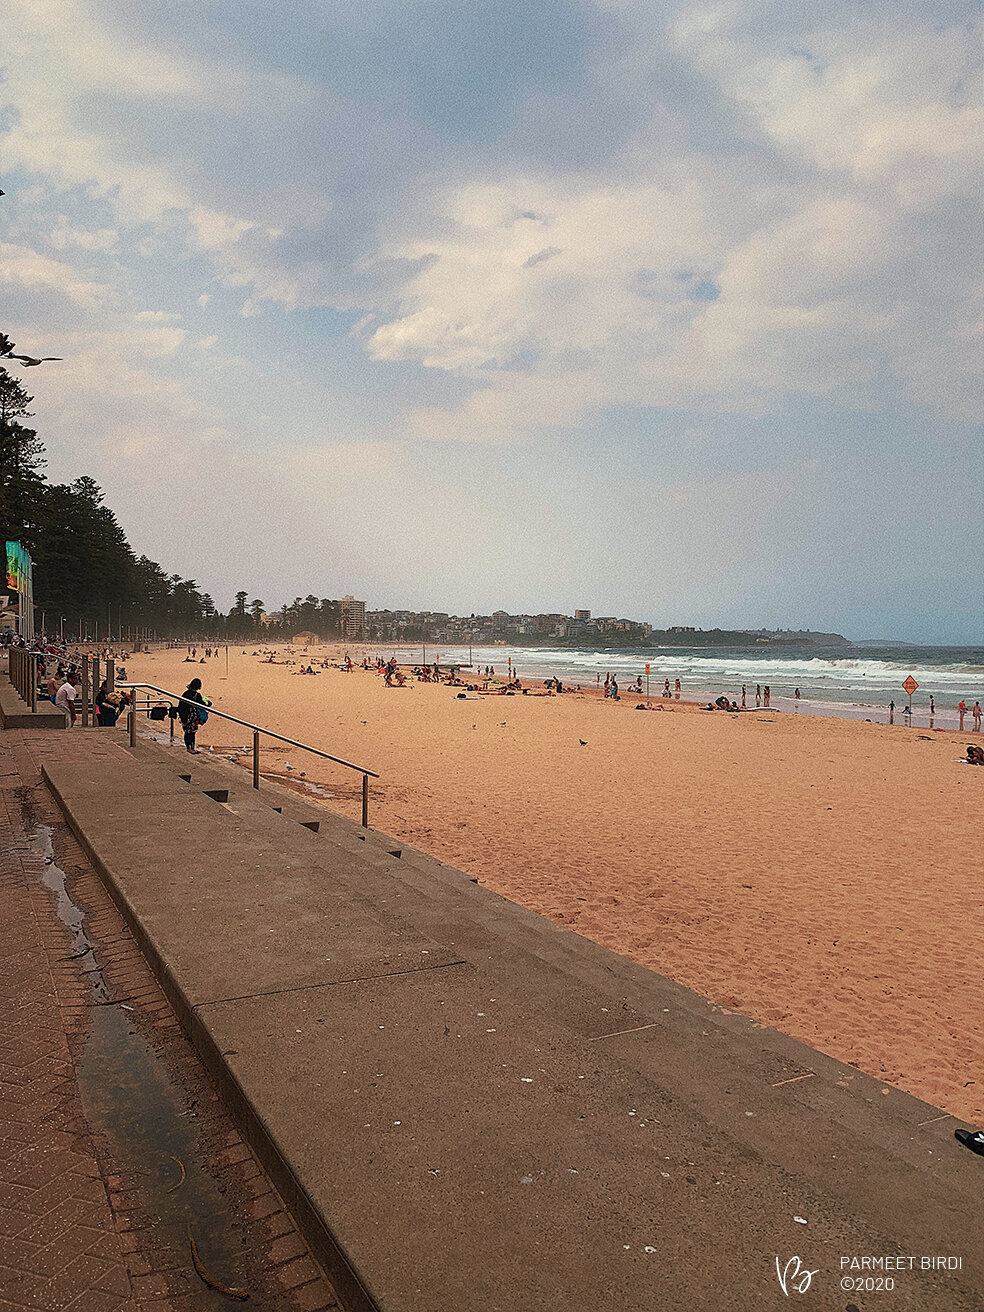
<point x="472" y="1110"/>
<point x="15" y="713"/>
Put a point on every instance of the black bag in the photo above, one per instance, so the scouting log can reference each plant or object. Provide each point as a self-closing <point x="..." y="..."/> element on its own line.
<point x="158" y="712"/>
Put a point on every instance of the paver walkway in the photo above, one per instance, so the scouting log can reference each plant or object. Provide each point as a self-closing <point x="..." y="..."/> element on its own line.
<point x="78" y="1231"/>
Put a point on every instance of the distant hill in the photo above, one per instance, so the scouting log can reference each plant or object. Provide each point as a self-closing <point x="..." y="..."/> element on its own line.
<point x="686" y="637"/>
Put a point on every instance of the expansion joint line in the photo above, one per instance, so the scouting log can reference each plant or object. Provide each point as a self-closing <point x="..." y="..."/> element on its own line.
<point x="329" y="984"/>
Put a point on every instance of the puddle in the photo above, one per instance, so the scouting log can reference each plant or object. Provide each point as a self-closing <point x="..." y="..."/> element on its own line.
<point x="70" y="915"/>
<point x="127" y="1090"/>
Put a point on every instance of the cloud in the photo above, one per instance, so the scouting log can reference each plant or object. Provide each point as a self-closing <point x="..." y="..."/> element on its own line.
<point x="546" y="254"/>
<point x="560" y="226"/>
<point x="22" y="267"/>
<point x="809" y="248"/>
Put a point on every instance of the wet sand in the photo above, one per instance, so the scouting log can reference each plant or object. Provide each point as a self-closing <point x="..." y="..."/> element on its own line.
<point x="820" y="875"/>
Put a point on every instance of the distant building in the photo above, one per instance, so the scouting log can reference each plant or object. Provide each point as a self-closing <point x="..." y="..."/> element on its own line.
<point x="681" y="628"/>
<point x="582" y="614"/>
<point x="304" y="639"/>
<point x="353" y="617"/>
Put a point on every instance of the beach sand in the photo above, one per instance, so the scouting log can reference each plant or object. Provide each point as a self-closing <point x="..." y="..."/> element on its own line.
<point x="819" y="875"/>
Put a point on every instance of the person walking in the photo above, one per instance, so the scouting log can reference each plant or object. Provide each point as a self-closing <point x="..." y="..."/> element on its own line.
<point x="976" y="713"/>
<point x="766" y="694"/>
<point x="932" y="706"/>
<point x="961" y="711"/>
<point x="190" y="711"/>
<point x="891" y="712"/>
<point x="758" y="694"/>
<point x="742" y="696"/>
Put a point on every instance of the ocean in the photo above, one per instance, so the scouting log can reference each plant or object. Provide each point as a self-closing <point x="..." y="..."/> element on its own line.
<point x="857" y="681"/>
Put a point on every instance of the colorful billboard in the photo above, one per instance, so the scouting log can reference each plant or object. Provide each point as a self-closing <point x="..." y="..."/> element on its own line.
<point x="18" y="569"/>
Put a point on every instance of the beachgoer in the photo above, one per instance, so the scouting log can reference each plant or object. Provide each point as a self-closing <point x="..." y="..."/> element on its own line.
<point x="613" y="691"/>
<point x="766" y="694"/>
<point x="743" y="696"/>
<point x="758" y="694"/>
<point x="65" y="696"/>
<point x="189" y="714"/>
<point x="108" y="705"/>
<point x="975" y="755"/>
<point x="891" y="712"/>
<point x="977" y="717"/>
<point x="796" y="694"/>
<point x="961" y="711"/>
<point x="932" y="706"/>
<point x="676" y="688"/>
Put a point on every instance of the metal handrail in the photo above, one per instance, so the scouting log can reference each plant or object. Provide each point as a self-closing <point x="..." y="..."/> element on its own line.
<point x="257" y="730"/>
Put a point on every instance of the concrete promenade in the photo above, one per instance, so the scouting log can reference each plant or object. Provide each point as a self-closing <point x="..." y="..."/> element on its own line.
<point x="470" y="1108"/>
<point x="95" y="1099"/>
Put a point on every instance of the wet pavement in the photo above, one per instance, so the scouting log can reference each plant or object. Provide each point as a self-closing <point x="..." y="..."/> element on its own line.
<point x="123" y="1181"/>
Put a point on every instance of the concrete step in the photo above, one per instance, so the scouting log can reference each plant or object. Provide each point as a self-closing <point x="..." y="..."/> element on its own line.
<point x="476" y="1109"/>
<point x="15" y="713"/>
<point x="648" y="1017"/>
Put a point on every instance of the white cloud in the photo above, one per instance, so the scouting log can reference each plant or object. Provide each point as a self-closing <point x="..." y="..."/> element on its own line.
<point x="20" y="266"/>
<point x="156" y="316"/>
<point x="710" y="280"/>
<point x="65" y="236"/>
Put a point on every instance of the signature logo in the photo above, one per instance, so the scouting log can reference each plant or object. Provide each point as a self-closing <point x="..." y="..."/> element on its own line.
<point x="794" y="1275"/>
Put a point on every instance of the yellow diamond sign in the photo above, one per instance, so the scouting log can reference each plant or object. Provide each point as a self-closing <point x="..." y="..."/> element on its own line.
<point x="910" y="685"/>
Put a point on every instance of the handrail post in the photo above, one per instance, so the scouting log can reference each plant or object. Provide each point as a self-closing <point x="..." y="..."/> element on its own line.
<point x="85" y="692"/>
<point x="365" y="801"/>
<point x="110" y="676"/>
<point x="34" y="685"/>
<point x="256" y="758"/>
<point x="133" y="720"/>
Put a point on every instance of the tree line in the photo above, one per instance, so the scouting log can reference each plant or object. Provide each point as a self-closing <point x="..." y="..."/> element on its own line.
<point x="88" y="580"/>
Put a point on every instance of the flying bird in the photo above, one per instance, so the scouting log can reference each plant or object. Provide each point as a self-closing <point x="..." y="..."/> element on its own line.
<point x="29" y="360"/>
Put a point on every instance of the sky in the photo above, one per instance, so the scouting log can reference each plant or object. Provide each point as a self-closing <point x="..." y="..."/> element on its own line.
<point x="660" y="308"/>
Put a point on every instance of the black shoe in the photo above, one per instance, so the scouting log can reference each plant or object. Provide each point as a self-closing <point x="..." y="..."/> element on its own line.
<point x="972" y="1139"/>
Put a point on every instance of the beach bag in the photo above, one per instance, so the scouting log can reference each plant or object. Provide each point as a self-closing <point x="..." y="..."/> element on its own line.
<point x="158" y="712"/>
<point x="202" y="713"/>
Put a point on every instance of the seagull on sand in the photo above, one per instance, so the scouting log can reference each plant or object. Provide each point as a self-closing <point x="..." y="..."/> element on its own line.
<point x="29" y="360"/>
<point x="582" y="742"/>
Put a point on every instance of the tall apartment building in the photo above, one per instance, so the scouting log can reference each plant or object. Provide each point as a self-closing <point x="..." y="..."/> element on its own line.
<point x="353" y="616"/>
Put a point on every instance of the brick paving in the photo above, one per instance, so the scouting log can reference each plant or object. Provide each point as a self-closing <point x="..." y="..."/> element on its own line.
<point x="78" y="1231"/>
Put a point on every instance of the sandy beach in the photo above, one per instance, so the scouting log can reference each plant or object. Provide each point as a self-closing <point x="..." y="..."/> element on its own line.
<point x="819" y="875"/>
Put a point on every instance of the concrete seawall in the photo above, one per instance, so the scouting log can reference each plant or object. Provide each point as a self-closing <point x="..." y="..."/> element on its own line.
<point x="15" y="713"/>
<point x="470" y="1108"/>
